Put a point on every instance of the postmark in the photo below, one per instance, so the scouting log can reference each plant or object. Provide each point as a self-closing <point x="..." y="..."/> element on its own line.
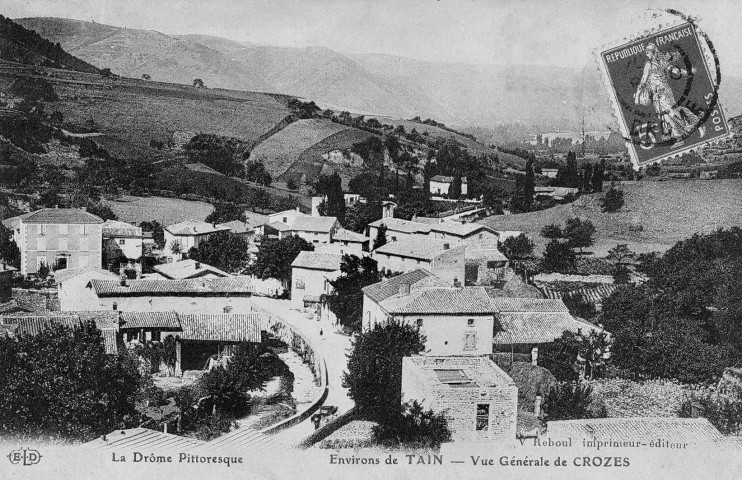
<point x="664" y="94"/>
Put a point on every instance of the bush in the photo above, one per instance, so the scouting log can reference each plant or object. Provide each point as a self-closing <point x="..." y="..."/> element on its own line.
<point x="414" y="427"/>
<point x="571" y="401"/>
<point x="558" y="257"/>
<point x="613" y="200"/>
<point x="723" y="412"/>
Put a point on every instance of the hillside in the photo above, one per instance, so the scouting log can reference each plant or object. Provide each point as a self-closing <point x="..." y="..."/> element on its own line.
<point x="18" y="44"/>
<point x="667" y="211"/>
<point x="296" y="151"/>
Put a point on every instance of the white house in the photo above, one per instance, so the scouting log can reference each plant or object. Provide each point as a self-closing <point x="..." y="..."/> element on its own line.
<point x="445" y="260"/>
<point x="354" y="243"/>
<point x="455" y="321"/>
<point x="398" y="229"/>
<point x="72" y="281"/>
<point x="440" y="184"/>
<point x="189" y="234"/>
<point x="550" y="172"/>
<point x="124" y="237"/>
<point x="313" y="229"/>
<point x="61" y="237"/>
<point x="311" y="273"/>
<point x="479" y="400"/>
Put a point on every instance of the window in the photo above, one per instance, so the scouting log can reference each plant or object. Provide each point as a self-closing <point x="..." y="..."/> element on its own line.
<point x="483" y="416"/>
<point x="42" y="230"/>
<point x="115" y="306"/>
<point x="470" y="341"/>
<point x="394" y="239"/>
<point x="470" y="322"/>
<point x="155" y="335"/>
<point x="419" y="322"/>
<point x="84" y="230"/>
<point x="315" y="241"/>
<point x="122" y="241"/>
<point x="299" y="284"/>
<point x="228" y="309"/>
<point x="284" y="220"/>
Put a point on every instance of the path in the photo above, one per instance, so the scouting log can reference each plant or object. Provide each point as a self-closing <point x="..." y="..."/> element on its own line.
<point x="332" y="346"/>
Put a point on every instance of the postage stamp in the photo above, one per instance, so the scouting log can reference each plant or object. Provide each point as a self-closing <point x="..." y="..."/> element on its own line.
<point x="664" y="93"/>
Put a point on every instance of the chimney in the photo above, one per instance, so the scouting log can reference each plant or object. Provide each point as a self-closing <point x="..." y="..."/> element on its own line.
<point x="198" y="265"/>
<point x="123" y="280"/>
<point x="534" y="356"/>
<point x="537" y="406"/>
<point x="446" y="246"/>
<point x="56" y="206"/>
<point x="404" y="288"/>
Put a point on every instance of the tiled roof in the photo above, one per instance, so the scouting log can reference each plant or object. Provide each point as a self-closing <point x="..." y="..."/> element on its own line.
<point x="441" y="178"/>
<point x="254" y="219"/>
<point x="279" y="226"/>
<point x="135" y="439"/>
<point x="343" y="235"/>
<point x="34" y="325"/>
<point x="67" y="273"/>
<point x="379" y="292"/>
<point x="185" y="269"/>
<point x="509" y="304"/>
<point x="116" y="228"/>
<point x="236" y="226"/>
<point x="489" y="254"/>
<point x="163" y="320"/>
<point x="194" y="227"/>
<point x="536" y="327"/>
<point x="459" y="229"/>
<point x="228" y="327"/>
<point x="593" y="293"/>
<point x="311" y="298"/>
<point x="449" y="301"/>
<point x="402" y="226"/>
<point x="317" y="261"/>
<point x="639" y="429"/>
<point x="418" y="248"/>
<point x="314" y="224"/>
<point x="191" y="287"/>
<point x="60" y="216"/>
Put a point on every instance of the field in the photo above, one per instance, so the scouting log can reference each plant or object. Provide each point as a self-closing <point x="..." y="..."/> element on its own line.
<point x="165" y="210"/>
<point x="284" y="152"/>
<point x="666" y="211"/>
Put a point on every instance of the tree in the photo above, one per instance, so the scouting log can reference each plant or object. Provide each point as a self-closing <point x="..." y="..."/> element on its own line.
<point x="359" y="215"/>
<point x="374" y="376"/>
<point x="620" y="256"/>
<point x="198" y="83"/>
<point x="529" y="186"/>
<point x="571" y="401"/>
<point x="347" y="300"/>
<point x="61" y="383"/>
<point x="226" y="212"/>
<point x="598" y="176"/>
<point x="224" y="250"/>
<point x="519" y="247"/>
<point x="255" y="172"/>
<point x="330" y="187"/>
<point x="157" y="229"/>
<point x="106" y="72"/>
<point x="558" y="257"/>
<point x="176" y="247"/>
<point x="9" y="251"/>
<point x="613" y="200"/>
<point x="380" y="239"/>
<point x="578" y="305"/>
<point x="275" y="257"/>
<point x="291" y="184"/>
<point x="103" y="211"/>
<point x="43" y="271"/>
<point x="552" y="232"/>
<point x="579" y="233"/>
<point x="491" y="199"/>
<point x="587" y="178"/>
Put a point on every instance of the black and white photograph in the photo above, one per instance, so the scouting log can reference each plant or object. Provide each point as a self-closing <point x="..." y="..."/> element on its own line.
<point x="335" y="239"/>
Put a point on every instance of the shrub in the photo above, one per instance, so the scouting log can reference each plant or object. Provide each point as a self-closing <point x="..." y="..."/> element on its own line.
<point x="571" y="401"/>
<point x="613" y="200"/>
<point x="723" y="412"/>
<point x="414" y="427"/>
<point x="558" y="257"/>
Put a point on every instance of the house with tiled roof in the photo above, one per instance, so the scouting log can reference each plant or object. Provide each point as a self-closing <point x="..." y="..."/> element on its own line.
<point x="35" y="324"/>
<point x="354" y="243"/>
<point x="439" y="257"/>
<point x="123" y="238"/>
<point x="311" y="274"/>
<point x="315" y="229"/>
<point x="61" y="237"/>
<point x="440" y="184"/>
<point x="186" y="269"/>
<point x="196" y="295"/>
<point x="71" y="282"/>
<point x="189" y="234"/>
<point x="398" y="229"/>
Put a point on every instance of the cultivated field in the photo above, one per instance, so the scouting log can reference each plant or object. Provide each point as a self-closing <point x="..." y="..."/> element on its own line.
<point x="666" y="211"/>
<point x="281" y="151"/>
<point x="165" y="210"/>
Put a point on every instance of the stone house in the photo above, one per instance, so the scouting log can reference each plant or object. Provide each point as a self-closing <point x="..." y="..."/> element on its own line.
<point x="124" y="238"/>
<point x="57" y="237"/>
<point x="445" y="260"/>
<point x="188" y="234"/>
<point x="72" y="281"/>
<point x="311" y="273"/>
<point x="479" y="400"/>
<point x="440" y="184"/>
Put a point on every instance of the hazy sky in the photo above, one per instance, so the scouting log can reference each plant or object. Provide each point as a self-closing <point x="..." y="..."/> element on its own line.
<point x="556" y="33"/>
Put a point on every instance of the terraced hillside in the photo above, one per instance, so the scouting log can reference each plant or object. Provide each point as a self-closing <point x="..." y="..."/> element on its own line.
<point x="296" y="151"/>
<point x="666" y="211"/>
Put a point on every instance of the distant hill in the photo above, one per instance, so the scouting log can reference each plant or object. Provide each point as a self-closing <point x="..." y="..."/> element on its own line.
<point x="459" y="95"/>
<point x="667" y="212"/>
<point x="19" y="44"/>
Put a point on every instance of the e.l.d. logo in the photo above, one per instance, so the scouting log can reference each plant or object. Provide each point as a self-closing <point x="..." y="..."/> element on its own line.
<point x="24" y="456"/>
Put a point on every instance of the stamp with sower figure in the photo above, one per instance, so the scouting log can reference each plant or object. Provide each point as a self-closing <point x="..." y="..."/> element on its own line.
<point x="663" y="92"/>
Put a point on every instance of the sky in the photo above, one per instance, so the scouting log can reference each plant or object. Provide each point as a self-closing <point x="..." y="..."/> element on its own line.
<point x="539" y="32"/>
